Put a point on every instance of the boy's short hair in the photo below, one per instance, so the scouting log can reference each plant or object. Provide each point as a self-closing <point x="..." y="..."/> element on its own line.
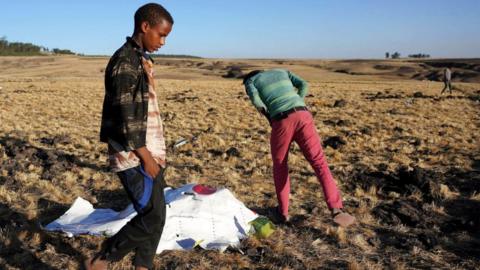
<point x="251" y="74"/>
<point x="151" y="13"/>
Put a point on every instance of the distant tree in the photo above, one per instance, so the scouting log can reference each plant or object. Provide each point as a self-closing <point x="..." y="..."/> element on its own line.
<point x="387" y="55"/>
<point x="395" y="55"/>
<point x="3" y="43"/>
<point x="419" y="55"/>
<point x="18" y="48"/>
<point x="61" y="51"/>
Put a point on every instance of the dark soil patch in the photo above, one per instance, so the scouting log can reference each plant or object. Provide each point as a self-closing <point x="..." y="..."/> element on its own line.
<point x="233" y="152"/>
<point x="339" y="103"/>
<point x="234" y="72"/>
<point x="337" y="122"/>
<point x="425" y="228"/>
<point x="22" y="154"/>
<point x="334" y="142"/>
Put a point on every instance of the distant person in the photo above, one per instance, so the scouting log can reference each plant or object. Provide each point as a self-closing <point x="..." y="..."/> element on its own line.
<point x="274" y="94"/>
<point x="447" y="80"/>
<point x="132" y="128"/>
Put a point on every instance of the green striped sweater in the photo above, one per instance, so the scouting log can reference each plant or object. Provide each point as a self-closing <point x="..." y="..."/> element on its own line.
<point x="274" y="90"/>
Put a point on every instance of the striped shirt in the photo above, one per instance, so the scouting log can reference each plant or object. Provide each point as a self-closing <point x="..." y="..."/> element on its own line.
<point x="274" y="90"/>
<point x="121" y="160"/>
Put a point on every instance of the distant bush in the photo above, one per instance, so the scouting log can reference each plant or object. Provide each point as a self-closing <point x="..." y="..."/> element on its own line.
<point x="61" y="51"/>
<point x="419" y="55"/>
<point x="395" y="55"/>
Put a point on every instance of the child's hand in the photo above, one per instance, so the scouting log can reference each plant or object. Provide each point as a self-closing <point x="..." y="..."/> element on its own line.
<point x="149" y="164"/>
<point x="151" y="168"/>
<point x="148" y="67"/>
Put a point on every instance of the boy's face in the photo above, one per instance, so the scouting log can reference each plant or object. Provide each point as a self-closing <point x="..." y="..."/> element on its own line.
<point x="154" y="35"/>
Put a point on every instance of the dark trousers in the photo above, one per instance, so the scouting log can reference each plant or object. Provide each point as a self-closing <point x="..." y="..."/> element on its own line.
<point x="142" y="233"/>
<point x="448" y="86"/>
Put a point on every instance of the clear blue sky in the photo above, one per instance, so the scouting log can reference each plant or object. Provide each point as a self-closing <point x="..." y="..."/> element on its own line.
<point x="257" y="28"/>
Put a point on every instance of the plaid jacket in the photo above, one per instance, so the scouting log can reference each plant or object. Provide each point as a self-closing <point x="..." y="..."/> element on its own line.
<point x="125" y="107"/>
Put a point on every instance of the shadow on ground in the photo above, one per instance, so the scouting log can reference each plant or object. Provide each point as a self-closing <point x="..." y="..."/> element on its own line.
<point x="24" y="243"/>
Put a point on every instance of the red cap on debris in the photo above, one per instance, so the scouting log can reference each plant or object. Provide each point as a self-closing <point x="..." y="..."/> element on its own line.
<point x="204" y="190"/>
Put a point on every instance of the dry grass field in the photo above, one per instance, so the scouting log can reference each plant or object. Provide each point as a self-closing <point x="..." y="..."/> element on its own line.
<point x="406" y="159"/>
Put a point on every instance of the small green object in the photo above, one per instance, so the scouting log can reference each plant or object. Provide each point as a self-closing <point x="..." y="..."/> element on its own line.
<point x="197" y="243"/>
<point x="263" y="227"/>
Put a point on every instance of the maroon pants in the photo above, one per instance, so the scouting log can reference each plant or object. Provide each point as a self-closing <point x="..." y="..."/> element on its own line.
<point x="299" y="127"/>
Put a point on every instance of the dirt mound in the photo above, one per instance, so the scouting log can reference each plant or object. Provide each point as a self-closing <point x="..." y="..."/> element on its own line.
<point x="463" y="70"/>
<point x="428" y="203"/>
<point x="459" y="64"/>
<point x="21" y="155"/>
<point x="383" y="67"/>
<point x="404" y="182"/>
<point x="234" y="72"/>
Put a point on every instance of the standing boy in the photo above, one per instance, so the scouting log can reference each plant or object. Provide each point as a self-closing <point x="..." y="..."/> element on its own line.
<point x="274" y="94"/>
<point x="132" y="128"/>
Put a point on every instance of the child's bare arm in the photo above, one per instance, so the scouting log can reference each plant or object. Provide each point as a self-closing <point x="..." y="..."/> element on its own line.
<point x="151" y="167"/>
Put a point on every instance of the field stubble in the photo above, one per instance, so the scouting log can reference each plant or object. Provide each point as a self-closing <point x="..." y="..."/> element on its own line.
<point x="407" y="165"/>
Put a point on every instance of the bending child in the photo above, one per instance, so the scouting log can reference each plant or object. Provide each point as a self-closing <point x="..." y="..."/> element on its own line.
<point x="273" y="93"/>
